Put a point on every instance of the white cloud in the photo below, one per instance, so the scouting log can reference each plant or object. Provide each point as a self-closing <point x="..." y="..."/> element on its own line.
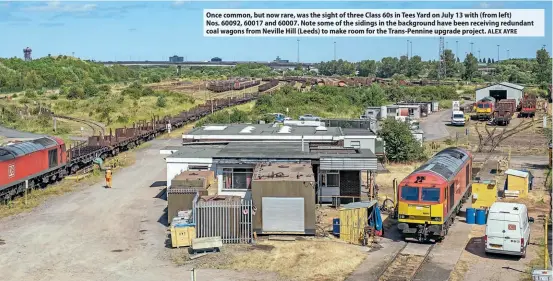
<point x="57" y="6"/>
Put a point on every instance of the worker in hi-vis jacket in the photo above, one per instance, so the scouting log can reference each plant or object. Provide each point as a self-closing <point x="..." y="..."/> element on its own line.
<point x="108" y="178"/>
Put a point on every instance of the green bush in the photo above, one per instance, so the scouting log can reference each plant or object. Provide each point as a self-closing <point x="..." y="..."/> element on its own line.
<point x="401" y="145"/>
<point x="161" y="101"/>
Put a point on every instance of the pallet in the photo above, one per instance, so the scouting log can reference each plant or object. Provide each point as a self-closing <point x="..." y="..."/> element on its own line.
<point x="205" y="250"/>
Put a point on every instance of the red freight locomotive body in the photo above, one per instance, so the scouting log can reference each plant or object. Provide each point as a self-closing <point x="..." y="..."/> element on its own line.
<point x="39" y="161"/>
<point x="432" y="195"/>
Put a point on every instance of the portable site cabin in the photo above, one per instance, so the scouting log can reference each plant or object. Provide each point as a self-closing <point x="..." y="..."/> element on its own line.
<point x="284" y="197"/>
<point x="518" y="183"/>
<point x="356" y="217"/>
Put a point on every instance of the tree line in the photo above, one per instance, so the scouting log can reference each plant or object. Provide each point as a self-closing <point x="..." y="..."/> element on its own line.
<point x="523" y="71"/>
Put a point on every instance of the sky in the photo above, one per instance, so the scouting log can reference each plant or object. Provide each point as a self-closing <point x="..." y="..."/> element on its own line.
<point x="105" y="31"/>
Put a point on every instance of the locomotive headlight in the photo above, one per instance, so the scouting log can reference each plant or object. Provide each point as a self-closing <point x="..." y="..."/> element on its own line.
<point x="402" y="216"/>
<point x="436" y="219"/>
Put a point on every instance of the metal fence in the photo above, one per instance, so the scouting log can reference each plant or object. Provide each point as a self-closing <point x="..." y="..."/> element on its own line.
<point x="231" y="220"/>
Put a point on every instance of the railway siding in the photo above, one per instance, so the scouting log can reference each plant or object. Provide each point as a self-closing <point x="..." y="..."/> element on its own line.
<point x="444" y="256"/>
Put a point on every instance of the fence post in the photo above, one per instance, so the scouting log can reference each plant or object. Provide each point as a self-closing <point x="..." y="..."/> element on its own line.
<point x="26" y="187"/>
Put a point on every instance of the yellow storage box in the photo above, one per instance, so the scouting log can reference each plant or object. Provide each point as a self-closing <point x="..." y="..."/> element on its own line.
<point x="484" y="193"/>
<point x="354" y="217"/>
<point x="182" y="235"/>
<point x="517" y="183"/>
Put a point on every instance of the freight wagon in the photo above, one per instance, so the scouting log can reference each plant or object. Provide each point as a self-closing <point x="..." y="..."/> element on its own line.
<point x="503" y="112"/>
<point x="432" y="195"/>
<point x="46" y="160"/>
<point x="527" y="106"/>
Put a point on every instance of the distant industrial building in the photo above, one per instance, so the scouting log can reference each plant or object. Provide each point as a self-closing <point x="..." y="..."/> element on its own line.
<point x="216" y="59"/>
<point x="279" y="60"/>
<point x="503" y="90"/>
<point x="176" y="59"/>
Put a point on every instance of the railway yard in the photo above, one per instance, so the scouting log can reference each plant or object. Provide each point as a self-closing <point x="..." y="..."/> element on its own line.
<point x="123" y="232"/>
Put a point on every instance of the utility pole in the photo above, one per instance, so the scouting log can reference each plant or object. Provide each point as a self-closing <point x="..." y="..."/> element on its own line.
<point x="442" y="69"/>
<point x="335" y="50"/>
<point x="497" y="53"/>
<point x="478" y="54"/>
<point x="457" y="48"/>
<point x="471" y="43"/>
<point x="298" y="51"/>
<point x="411" y="48"/>
<point x="508" y="55"/>
<point x="408" y="48"/>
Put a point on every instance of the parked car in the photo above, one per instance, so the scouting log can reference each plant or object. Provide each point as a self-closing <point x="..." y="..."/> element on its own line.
<point x="507" y="229"/>
<point x="309" y="117"/>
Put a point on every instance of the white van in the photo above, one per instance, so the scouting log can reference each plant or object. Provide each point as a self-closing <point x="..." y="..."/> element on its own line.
<point x="507" y="229"/>
<point x="458" y="118"/>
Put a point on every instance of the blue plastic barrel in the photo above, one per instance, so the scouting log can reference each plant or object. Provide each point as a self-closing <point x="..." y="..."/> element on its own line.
<point x="471" y="216"/>
<point x="481" y="217"/>
<point x="336" y="226"/>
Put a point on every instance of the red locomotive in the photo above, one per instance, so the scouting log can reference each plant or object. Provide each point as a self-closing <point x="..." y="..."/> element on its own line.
<point x="39" y="161"/>
<point x="432" y="195"/>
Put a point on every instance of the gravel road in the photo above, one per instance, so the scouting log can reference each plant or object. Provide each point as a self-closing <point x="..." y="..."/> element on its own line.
<point x="101" y="234"/>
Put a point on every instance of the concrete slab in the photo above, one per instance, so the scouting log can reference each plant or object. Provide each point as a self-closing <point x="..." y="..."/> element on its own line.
<point x="416" y="249"/>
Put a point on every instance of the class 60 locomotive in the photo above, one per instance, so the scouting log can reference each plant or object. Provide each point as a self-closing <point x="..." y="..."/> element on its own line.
<point x="431" y="196"/>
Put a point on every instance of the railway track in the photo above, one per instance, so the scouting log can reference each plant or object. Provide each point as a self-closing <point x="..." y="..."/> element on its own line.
<point x="407" y="262"/>
<point x="80" y="157"/>
<point x="93" y="125"/>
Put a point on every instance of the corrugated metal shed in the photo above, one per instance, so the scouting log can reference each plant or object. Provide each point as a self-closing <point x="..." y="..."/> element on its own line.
<point x="446" y="163"/>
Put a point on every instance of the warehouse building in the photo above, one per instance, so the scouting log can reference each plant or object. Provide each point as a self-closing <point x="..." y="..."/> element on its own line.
<point x="337" y="170"/>
<point x="503" y="90"/>
<point x="364" y="139"/>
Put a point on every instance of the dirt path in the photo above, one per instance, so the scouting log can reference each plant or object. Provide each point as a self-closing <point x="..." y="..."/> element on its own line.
<point x="100" y="234"/>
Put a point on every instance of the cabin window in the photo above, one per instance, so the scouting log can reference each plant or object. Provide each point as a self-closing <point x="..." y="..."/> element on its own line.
<point x="355" y="144"/>
<point x="410" y="193"/>
<point x="237" y="178"/>
<point x="430" y="194"/>
<point x="480" y="106"/>
<point x="52" y="158"/>
<point x="332" y="179"/>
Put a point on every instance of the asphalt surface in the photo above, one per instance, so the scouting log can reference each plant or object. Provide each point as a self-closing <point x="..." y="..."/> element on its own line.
<point x="434" y="125"/>
<point x="13" y="134"/>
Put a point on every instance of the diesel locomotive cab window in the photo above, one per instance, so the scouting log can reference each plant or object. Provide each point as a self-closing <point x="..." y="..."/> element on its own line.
<point x="430" y="195"/>
<point x="410" y="193"/>
<point x="480" y="106"/>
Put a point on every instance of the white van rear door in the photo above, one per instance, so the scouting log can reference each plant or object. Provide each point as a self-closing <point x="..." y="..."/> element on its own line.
<point x="513" y="233"/>
<point x="495" y="231"/>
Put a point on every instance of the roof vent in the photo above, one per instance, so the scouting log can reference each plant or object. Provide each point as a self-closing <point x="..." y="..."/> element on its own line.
<point x="321" y="128"/>
<point x="247" y="130"/>
<point x="214" y="128"/>
<point x="285" y="130"/>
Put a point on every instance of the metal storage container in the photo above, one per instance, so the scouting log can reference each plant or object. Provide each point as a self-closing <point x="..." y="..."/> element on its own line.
<point x="284" y="197"/>
<point x="181" y="199"/>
